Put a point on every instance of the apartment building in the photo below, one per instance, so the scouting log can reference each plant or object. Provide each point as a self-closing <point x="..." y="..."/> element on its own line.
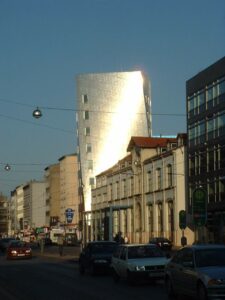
<point x="52" y="178"/>
<point x="205" y="93"/>
<point x="69" y="196"/>
<point x="143" y="193"/>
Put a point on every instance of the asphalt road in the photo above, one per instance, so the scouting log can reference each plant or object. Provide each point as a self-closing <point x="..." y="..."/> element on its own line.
<point x="48" y="277"/>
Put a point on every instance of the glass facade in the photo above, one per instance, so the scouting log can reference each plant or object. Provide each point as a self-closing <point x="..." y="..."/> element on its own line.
<point x="111" y="107"/>
<point x="206" y="142"/>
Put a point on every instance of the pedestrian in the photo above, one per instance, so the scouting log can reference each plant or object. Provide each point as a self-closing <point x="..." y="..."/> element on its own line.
<point x="61" y="244"/>
<point x="42" y="245"/>
<point x="126" y="240"/>
<point x="119" y="238"/>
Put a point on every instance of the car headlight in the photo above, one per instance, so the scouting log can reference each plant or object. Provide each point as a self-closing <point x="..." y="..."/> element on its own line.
<point x="28" y="251"/>
<point x="13" y="251"/>
<point x="214" y="281"/>
<point x="140" y="268"/>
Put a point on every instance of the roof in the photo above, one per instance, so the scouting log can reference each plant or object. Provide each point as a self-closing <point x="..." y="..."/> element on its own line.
<point x="149" y="142"/>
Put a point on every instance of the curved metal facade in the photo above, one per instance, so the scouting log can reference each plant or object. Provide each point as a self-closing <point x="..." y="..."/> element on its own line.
<point x="112" y="107"/>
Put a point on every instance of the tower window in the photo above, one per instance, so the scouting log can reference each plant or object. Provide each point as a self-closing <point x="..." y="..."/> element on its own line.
<point x="86" y="115"/>
<point x="87" y="131"/>
<point x="85" y="99"/>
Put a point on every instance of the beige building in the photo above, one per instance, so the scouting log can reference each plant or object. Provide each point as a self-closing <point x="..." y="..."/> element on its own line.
<point x="142" y="194"/>
<point x="52" y="177"/>
<point x="16" y="210"/>
<point x="69" y="198"/>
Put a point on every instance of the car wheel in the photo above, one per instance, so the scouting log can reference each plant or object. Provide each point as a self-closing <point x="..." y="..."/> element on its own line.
<point x="115" y="276"/>
<point x="169" y="288"/>
<point x="201" y="291"/>
<point x="81" y="269"/>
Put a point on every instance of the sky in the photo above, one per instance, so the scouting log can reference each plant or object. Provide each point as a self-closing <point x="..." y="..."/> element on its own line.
<point x="44" y="44"/>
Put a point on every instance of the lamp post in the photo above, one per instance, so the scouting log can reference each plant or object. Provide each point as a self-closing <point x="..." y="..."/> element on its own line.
<point x="7" y="167"/>
<point x="37" y="113"/>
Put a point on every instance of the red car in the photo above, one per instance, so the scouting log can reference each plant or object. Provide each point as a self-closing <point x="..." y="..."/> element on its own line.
<point x="18" y="249"/>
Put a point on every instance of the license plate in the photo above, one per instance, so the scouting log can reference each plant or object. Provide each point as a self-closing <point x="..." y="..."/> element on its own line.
<point x="21" y="254"/>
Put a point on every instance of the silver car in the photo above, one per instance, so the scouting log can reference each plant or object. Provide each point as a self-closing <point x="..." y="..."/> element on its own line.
<point x="136" y="262"/>
<point x="197" y="271"/>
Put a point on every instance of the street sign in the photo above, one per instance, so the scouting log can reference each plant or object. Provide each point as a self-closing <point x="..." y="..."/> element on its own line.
<point x="199" y="207"/>
<point x="69" y="215"/>
<point x="182" y="219"/>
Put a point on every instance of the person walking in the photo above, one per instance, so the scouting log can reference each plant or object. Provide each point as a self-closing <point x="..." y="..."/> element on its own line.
<point x="61" y="244"/>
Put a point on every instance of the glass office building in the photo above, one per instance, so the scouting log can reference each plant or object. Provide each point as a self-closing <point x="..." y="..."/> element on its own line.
<point x="206" y="143"/>
<point x="111" y="107"/>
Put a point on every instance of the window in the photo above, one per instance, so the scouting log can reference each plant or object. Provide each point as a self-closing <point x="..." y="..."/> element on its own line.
<point x="90" y="164"/>
<point x="132" y="185"/>
<point x="124" y="188"/>
<point x="149" y="181"/>
<point x="209" y="94"/>
<point x="160" y="219"/>
<point x="150" y="219"/>
<point x="221" y="124"/>
<point x="222" y="87"/>
<point x="86" y="115"/>
<point x="201" y="132"/>
<point x="158" y="179"/>
<point x="211" y="160"/>
<point x="210" y="128"/>
<point x="201" y="102"/>
<point x="91" y="181"/>
<point x="85" y="99"/>
<point x="169" y="176"/>
<point x="117" y="189"/>
<point x="87" y="131"/>
<point x="191" y="107"/>
<point x="88" y="148"/>
<point x="110" y="192"/>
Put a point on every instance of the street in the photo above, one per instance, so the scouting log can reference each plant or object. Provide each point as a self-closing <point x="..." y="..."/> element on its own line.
<point x="49" y="276"/>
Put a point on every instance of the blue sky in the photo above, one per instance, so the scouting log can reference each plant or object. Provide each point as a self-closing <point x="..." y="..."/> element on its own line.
<point x="44" y="44"/>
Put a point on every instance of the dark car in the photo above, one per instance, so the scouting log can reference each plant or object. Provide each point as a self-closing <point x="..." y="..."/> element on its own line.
<point x="4" y="243"/>
<point x="162" y="242"/>
<point x="197" y="271"/>
<point x="18" y="250"/>
<point x="96" y="257"/>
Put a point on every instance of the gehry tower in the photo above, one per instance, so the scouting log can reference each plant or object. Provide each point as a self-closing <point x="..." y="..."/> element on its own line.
<point x="111" y="107"/>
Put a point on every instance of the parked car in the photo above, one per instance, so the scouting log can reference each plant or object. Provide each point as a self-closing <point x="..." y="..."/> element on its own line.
<point x="18" y="249"/>
<point x="96" y="257"/>
<point x="162" y="242"/>
<point x="4" y="243"/>
<point x="197" y="271"/>
<point x="138" y="262"/>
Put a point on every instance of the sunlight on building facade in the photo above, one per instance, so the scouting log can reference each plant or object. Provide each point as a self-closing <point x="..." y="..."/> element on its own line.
<point x="112" y="107"/>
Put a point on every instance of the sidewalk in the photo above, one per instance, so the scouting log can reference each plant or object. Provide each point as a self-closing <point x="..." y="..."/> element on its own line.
<point x="69" y="253"/>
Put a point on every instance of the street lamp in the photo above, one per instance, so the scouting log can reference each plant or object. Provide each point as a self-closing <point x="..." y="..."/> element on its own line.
<point x="37" y="113"/>
<point x="7" y="167"/>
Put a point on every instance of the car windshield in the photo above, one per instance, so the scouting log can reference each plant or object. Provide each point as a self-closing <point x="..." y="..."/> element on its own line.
<point x="210" y="257"/>
<point x="103" y="248"/>
<point x="144" y="252"/>
<point x="17" y="244"/>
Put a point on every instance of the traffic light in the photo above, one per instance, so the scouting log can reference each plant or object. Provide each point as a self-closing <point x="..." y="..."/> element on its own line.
<point x="182" y="219"/>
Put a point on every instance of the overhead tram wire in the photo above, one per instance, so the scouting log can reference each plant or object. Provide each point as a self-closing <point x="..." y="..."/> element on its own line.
<point x="77" y="110"/>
